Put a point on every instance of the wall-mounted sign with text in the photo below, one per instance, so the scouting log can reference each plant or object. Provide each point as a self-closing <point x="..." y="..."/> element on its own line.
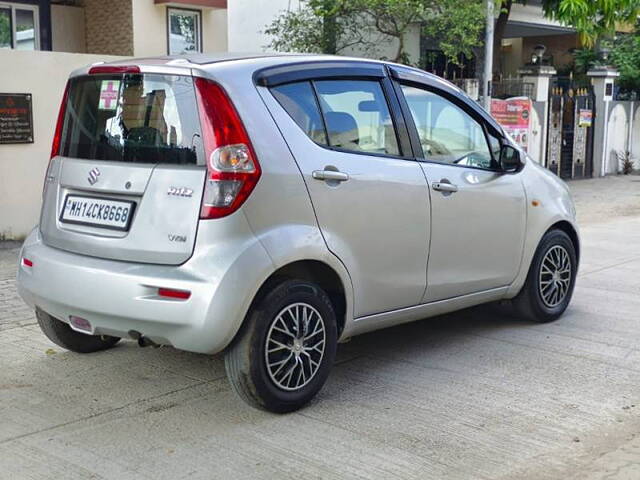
<point x="16" y="118"/>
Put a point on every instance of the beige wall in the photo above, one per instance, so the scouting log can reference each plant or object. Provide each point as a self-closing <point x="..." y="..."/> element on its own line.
<point x="67" y="29"/>
<point x="248" y="20"/>
<point x="150" y="29"/>
<point x="109" y="26"/>
<point x="22" y="166"/>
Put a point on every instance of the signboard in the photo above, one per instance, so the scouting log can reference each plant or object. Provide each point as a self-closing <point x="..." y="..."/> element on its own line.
<point x="514" y="114"/>
<point x="608" y="90"/>
<point x="16" y="118"/>
<point x="585" y="117"/>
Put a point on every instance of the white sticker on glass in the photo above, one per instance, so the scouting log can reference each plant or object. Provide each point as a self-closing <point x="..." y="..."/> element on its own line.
<point x="109" y="94"/>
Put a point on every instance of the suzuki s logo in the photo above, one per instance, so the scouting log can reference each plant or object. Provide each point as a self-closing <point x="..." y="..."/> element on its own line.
<point x="94" y="173"/>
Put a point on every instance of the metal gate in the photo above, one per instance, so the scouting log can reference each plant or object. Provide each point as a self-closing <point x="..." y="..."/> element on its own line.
<point x="570" y="132"/>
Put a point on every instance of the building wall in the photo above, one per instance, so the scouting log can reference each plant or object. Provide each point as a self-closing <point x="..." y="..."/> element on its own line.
<point x="22" y="166"/>
<point x="109" y="26"/>
<point x="387" y="47"/>
<point x="511" y="58"/>
<point x="150" y="29"/>
<point x="247" y="20"/>
<point x="68" y="32"/>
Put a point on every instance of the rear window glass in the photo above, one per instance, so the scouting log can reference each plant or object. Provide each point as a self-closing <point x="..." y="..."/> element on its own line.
<point x="132" y="118"/>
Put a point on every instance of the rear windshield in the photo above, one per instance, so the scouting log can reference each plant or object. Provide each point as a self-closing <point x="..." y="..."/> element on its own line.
<point x="132" y="118"/>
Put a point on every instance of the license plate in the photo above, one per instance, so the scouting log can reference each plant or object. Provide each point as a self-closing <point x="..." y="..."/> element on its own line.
<point x="97" y="212"/>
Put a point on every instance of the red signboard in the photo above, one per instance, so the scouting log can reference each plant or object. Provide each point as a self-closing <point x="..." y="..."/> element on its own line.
<point x="514" y="114"/>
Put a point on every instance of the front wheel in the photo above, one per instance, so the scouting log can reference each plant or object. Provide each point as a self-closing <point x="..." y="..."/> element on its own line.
<point x="285" y="349"/>
<point x="549" y="286"/>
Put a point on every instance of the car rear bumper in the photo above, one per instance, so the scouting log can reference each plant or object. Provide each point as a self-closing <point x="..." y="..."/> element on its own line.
<point x="117" y="297"/>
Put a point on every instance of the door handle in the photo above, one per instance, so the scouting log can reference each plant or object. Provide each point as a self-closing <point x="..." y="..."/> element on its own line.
<point x="445" y="187"/>
<point x="330" y="175"/>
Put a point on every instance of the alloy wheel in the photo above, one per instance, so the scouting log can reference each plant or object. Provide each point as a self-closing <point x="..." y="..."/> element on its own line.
<point x="295" y="346"/>
<point x="555" y="276"/>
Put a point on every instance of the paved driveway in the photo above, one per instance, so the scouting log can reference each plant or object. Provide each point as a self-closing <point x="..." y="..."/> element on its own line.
<point x="475" y="394"/>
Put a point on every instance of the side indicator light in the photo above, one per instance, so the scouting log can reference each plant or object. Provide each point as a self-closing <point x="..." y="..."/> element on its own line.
<point x="172" y="293"/>
<point x="535" y="203"/>
<point x="26" y="262"/>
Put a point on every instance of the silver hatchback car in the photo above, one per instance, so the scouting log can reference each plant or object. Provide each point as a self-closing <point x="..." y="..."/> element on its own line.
<point x="270" y="206"/>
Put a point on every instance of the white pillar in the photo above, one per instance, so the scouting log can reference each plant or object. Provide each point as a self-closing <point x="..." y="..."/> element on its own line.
<point x="540" y="76"/>
<point x="603" y="80"/>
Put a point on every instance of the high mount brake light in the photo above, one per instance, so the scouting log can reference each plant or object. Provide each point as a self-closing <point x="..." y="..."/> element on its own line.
<point x="232" y="166"/>
<point x="114" y="69"/>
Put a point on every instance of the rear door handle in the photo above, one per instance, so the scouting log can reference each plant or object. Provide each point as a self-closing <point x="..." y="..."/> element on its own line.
<point x="444" y="187"/>
<point x="331" y="175"/>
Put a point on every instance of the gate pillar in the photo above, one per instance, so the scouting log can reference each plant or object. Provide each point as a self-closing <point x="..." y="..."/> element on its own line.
<point x="540" y="76"/>
<point x="602" y="79"/>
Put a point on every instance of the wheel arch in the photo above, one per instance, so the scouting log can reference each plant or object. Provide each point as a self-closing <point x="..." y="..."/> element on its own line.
<point x="570" y="230"/>
<point x="316" y="271"/>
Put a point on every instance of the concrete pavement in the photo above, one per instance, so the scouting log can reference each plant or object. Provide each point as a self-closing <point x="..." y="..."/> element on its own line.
<point x="470" y="395"/>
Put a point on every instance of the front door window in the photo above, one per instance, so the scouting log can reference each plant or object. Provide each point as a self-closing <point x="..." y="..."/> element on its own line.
<point x="447" y="133"/>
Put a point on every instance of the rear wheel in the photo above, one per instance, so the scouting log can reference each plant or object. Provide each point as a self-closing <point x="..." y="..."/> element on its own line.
<point x="282" y="356"/>
<point x="549" y="286"/>
<point x="64" y="336"/>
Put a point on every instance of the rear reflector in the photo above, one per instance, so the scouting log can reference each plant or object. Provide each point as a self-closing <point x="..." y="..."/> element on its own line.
<point x="80" y="323"/>
<point x="172" y="293"/>
<point x="27" y="263"/>
<point x="114" y="69"/>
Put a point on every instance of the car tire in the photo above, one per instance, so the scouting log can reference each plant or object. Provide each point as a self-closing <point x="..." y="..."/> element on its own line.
<point x="64" y="336"/>
<point x="278" y="361"/>
<point x="550" y="281"/>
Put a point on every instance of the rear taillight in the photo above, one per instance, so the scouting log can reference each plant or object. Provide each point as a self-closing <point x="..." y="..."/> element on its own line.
<point x="57" y="135"/>
<point x="232" y="167"/>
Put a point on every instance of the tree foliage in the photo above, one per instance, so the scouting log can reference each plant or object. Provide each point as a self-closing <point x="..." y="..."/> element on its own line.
<point x="335" y="26"/>
<point x="5" y="30"/>
<point x="457" y="27"/>
<point x="625" y="55"/>
<point x="593" y="19"/>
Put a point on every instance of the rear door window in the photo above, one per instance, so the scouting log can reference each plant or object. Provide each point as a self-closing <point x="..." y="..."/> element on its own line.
<point x="347" y="114"/>
<point x="300" y="103"/>
<point x="357" y="116"/>
<point x="132" y="118"/>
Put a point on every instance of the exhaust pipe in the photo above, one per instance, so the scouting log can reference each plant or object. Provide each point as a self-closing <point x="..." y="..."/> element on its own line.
<point x="142" y="340"/>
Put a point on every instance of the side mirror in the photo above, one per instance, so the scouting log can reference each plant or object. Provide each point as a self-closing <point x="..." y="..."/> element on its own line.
<point x="510" y="161"/>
